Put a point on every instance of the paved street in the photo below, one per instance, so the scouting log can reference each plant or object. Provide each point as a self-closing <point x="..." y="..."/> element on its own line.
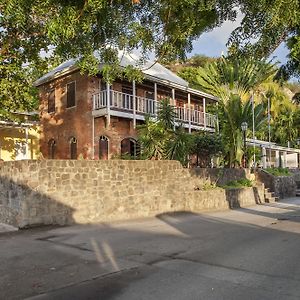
<point x="250" y="253"/>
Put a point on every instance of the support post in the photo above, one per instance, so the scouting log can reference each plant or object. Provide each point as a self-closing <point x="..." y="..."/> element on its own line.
<point x="155" y="99"/>
<point x="134" y="103"/>
<point x="204" y="112"/>
<point x="26" y="143"/>
<point x="108" y="94"/>
<point x="277" y="158"/>
<point x="264" y="157"/>
<point x="189" y="112"/>
<point x="284" y="160"/>
<point x="173" y="103"/>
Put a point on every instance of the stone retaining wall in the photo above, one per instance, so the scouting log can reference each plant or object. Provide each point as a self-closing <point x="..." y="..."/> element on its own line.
<point x="281" y="186"/>
<point x="67" y="191"/>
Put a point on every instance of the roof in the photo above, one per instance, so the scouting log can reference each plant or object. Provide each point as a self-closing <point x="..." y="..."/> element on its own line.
<point x="271" y="145"/>
<point x="152" y="70"/>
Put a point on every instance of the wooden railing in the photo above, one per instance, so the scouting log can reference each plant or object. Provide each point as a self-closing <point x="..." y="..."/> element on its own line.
<point x="145" y="106"/>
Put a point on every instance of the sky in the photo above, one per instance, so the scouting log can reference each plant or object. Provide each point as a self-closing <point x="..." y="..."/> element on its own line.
<point x="213" y="43"/>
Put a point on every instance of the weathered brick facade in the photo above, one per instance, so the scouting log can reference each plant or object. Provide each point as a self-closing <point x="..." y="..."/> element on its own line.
<point x="80" y="125"/>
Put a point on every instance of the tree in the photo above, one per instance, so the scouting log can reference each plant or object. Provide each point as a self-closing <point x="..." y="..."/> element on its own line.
<point x="233" y="80"/>
<point x="265" y="25"/>
<point x="92" y="31"/>
<point x="205" y="146"/>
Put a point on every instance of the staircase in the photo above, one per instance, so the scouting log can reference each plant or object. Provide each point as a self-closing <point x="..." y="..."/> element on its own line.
<point x="270" y="196"/>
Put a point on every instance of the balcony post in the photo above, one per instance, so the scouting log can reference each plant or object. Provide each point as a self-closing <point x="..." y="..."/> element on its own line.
<point x="108" y="103"/>
<point x="173" y="103"/>
<point x="134" y="103"/>
<point x="189" y="112"/>
<point x="204" y="112"/>
<point x="155" y="99"/>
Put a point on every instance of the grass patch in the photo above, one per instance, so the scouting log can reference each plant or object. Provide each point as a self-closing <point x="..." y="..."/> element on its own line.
<point x="240" y="183"/>
<point x="279" y="171"/>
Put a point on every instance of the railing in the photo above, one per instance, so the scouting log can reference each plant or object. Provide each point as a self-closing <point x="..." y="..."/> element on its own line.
<point x="124" y="102"/>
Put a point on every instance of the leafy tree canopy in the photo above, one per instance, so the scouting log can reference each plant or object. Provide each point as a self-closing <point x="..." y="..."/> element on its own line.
<point x="167" y="28"/>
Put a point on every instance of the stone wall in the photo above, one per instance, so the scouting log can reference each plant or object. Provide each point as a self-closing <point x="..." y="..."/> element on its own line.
<point x="220" y="176"/>
<point x="68" y="191"/>
<point x="281" y="186"/>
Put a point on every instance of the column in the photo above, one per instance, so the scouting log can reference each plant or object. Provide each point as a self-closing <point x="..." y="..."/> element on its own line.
<point x="204" y="112"/>
<point x="108" y="94"/>
<point x="134" y="103"/>
<point x="189" y="112"/>
<point x="26" y="143"/>
<point x="173" y="103"/>
<point x="277" y="159"/>
<point x="284" y="163"/>
<point x="264" y="157"/>
<point x="155" y="98"/>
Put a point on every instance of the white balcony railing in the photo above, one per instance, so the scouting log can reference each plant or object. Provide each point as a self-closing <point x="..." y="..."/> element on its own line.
<point x="124" y="102"/>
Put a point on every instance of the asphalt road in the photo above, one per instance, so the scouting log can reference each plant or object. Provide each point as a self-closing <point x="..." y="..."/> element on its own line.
<point x="249" y="253"/>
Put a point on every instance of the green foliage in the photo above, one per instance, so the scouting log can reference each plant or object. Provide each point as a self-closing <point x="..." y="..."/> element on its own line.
<point x="240" y="183"/>
<point x="205" y="145"/>
<point x="233" y="75"/>
<point x="279" y="171"/>
<point x="159" y="139"/>
<point x="265" y="25"/>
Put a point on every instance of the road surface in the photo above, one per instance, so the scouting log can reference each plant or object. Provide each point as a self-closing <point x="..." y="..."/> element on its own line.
<point x="249" y="253"/>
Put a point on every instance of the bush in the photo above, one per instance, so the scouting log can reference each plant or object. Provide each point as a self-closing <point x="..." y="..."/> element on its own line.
<point x="279" y="171"/>
<point x="240" y="183"/>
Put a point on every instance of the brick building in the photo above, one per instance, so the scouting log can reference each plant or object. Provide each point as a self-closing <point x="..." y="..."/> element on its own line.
<point x="84" y="116"/>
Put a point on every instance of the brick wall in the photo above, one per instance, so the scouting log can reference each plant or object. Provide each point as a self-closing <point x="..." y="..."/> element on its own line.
<point x="77" y="121"/>
<point x="67" y="191"/>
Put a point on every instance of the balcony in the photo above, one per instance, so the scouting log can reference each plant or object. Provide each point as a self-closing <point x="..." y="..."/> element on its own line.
<point x="122" y="105"/>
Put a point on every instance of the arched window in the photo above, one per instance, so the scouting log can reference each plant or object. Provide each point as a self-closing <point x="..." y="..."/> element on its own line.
<point x="103" y="147"/>
<point x="51" y="148"/>
<point x="130" y="147"/>
<point x="51" y="102"/>
<point x="73" y="148"/>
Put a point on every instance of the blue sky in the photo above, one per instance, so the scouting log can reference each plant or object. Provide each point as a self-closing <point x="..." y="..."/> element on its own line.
<point x="213" y="43"/>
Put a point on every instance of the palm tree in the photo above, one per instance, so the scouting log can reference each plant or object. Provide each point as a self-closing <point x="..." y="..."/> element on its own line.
<point x="237" y="76"/>
<point x="232" y="114"/>
<point x="233" y="81"/>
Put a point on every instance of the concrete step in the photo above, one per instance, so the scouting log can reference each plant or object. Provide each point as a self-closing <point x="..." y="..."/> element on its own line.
<point x="298" y="192"/>
<point x="270" y="196"/>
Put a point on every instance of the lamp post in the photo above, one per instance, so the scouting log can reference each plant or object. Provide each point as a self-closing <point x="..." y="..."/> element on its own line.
<point x="244" y="127"/>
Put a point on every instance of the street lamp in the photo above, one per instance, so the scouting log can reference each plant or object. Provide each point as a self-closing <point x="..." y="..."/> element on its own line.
<point x="244" y="127"/>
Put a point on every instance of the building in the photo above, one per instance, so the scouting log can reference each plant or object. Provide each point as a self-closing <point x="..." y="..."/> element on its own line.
<point x="82" y="116"/>
<point x="275" y="156"/>
<point x="19" y="140"/>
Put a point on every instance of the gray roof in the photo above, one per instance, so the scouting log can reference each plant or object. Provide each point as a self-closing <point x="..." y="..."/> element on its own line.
<point x="149" y="68"/>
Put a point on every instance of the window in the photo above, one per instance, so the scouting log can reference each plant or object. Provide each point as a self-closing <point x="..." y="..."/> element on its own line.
<point x="51" y="102"/>
<point x="103" y="147"/>
<point x="71" y="94"/>
<point x="129" y="147"/>
<point x="51" y="149"/>
<point x="73" y="148"/>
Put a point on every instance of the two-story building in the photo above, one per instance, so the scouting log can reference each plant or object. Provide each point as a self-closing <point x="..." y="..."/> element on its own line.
<point x="84" y="116"/>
